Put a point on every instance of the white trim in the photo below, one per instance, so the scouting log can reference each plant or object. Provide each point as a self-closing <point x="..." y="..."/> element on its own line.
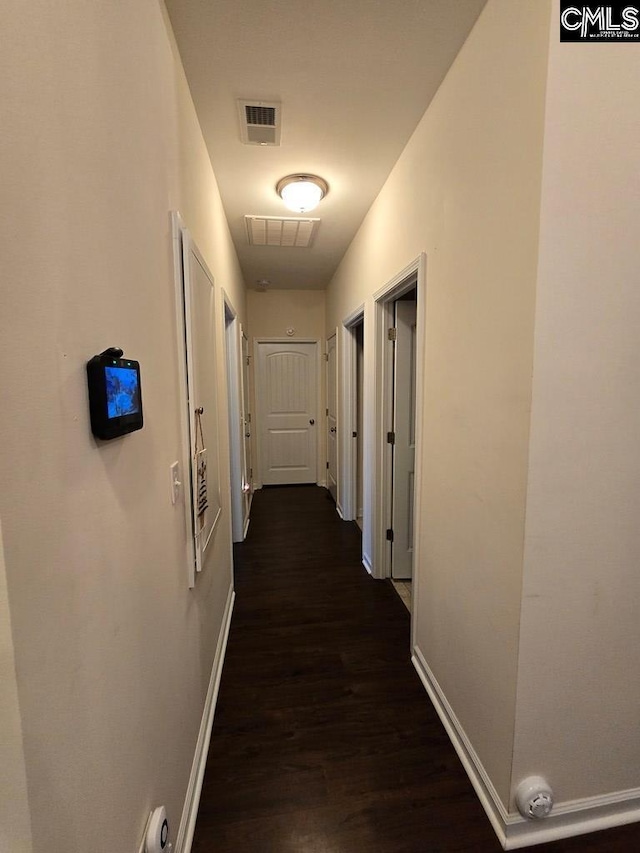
<point x="337" y="348"/>
<point x="478" y="776"/>
<point x="421" y="372"/>
<point x="366" y="562"/>
<point x="346" y="404"/>
<point x="575" y="817"/>
<point x="194" y="788"/>
<point x="347" y="481"/>
<point x="233" y="359"/>
<point x="355" y="318"/>
<point x="191" y="251"/>
<point x="177" y="229"/>
<point x="380" y="408"/>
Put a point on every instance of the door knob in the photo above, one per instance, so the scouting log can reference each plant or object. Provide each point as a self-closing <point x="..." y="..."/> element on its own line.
<point x="311" y="421"/>
<point x="247" y="435"/>
<point x="333" y="429"/>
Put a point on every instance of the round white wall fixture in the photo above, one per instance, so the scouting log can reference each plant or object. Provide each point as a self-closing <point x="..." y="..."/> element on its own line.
<point x="534" y="798"/>
<point x="157" y="838"/>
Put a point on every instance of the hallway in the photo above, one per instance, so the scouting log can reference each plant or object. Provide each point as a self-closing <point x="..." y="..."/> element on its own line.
<point x="324" y="740"/>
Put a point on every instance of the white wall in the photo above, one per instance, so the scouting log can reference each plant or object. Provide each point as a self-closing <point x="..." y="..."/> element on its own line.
<point x="579" y="692"/>
<point x="112" y="651"/>
<point x="15" y="823"/>
<point x="466" y="190"/>
<point x="272" y="312"/>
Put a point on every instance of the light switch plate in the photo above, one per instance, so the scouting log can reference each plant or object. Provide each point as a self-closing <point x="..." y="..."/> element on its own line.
<point x="176" y="484"/>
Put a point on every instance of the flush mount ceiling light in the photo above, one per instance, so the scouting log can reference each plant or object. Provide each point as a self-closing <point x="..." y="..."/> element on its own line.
<point x="302" y="193"/>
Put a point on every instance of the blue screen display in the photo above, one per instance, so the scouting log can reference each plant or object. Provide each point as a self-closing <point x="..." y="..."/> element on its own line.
<point x="123" y="392"/>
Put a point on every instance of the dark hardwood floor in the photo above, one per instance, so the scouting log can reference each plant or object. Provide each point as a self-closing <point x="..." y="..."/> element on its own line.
<point x="324" y="740"/>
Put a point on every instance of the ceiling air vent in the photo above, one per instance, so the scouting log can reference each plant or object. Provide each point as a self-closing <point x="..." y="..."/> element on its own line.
<point x="281" y="231"/>
<point x="259" y="122"/>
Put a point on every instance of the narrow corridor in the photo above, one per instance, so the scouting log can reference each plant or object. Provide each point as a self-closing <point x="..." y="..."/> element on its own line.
<point x="324" y="740"/>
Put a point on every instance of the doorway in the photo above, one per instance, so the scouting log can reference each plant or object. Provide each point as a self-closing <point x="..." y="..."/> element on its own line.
<point x="351" y="438"/>
<point x="358" y="335"/>
<point x="396" y="410"/>
<point x="247" y="485"/>
<point x="332" y="421"/>
<point x="288" y="408"/>
<point x="240" y="491"/>
<point x="404" y="442"/>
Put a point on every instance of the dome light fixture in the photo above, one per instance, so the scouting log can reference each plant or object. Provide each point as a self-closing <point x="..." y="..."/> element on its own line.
<point x="302" y="193"/>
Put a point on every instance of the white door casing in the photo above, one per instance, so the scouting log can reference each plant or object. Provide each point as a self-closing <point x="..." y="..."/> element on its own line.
<point x="247" y="463"/>
<point x="378" y="411"/>
<point x="287" y="399"/>
<point x="196" y="330"/>
<point x="332" y="419"/>
<point x="404" y="449"/>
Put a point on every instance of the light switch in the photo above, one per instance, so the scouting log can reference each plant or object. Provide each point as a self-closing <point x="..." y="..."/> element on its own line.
<point x="176" y="484"/>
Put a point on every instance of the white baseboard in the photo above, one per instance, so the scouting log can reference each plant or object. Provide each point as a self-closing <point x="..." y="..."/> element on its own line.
<point x="194" y="788"/>
<point x="366" y="562"/>
<point x="479" y="777"/>
<point x="577" y="817"/>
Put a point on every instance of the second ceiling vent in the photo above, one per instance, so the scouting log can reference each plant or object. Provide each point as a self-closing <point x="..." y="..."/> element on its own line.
<point x="259" y="122"/>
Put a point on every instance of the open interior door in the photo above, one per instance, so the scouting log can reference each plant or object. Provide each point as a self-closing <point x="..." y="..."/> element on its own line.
<point x="332" y="420"/>
<point x="404" y="450"/>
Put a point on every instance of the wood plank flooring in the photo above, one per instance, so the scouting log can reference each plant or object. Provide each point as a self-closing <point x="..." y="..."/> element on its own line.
<point x="324" y="739"/>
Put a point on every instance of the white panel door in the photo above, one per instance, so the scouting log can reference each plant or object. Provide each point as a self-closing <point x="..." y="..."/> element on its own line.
<point x="287" y="393"/>
<point x="332" y="419"/>
<point x="404" y="451"/>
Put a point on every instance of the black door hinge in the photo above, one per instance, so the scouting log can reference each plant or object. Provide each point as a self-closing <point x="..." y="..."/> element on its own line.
<point x="392" y="334"/>
<point x="391" y="438"/>
<point x="389" y="535"/>
<point x="327" y="465"/>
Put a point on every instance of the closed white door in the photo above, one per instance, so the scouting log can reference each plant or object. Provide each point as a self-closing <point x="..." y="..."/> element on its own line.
<point x="287" y="394"/>
<point x="404" y="451"/>
<point x="332" y="419"/>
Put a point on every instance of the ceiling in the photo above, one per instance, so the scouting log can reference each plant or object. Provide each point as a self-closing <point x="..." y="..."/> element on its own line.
<point x="354" y="77"/>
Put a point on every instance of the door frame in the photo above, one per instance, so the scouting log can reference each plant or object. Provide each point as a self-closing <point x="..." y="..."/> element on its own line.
<point x="333" y="335"/>
<point x="177" y="228"/>
<point x="234" y="403"/>
<point x="321" y="479"/>
<point x="348" y="474"/>
<point x="404" y="428"/>
<point x="247" y="417"/>
<point x="180" y="233"/>
<point x="413" y="275"/>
